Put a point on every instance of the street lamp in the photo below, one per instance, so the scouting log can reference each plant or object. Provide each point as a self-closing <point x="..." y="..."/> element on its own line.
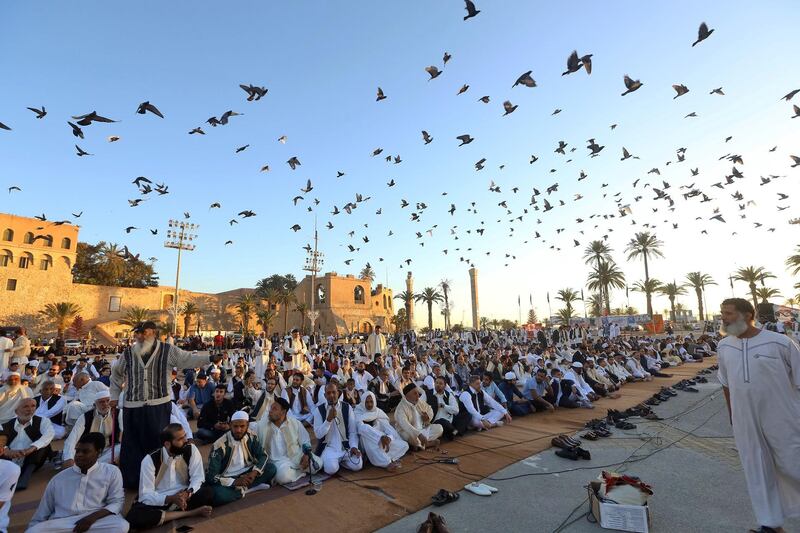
<point x="313" y="264"/>
<point x="179" y="236"/>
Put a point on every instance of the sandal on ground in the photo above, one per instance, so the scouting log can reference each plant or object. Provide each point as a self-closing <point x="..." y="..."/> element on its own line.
<point x="444" y="496"/>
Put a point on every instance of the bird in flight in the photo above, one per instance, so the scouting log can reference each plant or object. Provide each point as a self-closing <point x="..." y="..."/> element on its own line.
<point x="40" y="113"/>
<point x="631" y="85"/>
<point x="471" y="11"/>
<point x="703" y="33"/>
<point x="144" y="107"/>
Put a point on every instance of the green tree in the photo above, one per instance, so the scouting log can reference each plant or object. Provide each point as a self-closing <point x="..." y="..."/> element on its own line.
<point x="407" y="298"/>
<point x="568" y="296"/>
<point x="648" y="287"/>
<point x="59" y="315"/>
<point x="752" y="275"/>
<point x="265" y="316"/>
<point x="483" y="322"/>
<point x="445" y="285"/>
<point x="106" y="264"/>
<point x="429" y="296"/>
<point x="400" y="320"/>
<point x="698" y="282"/>
<point x="367" y="273"/>
<point x="595" y="304"/>
<point x="135" y="315"/>
<point x="565" y="314"/>
<point x="646" y="246"/>
<point x="188" y="310"/>
<point x="671" y="291"/>
<point x="793" y="262"/>
<point x="279" y="290"/>
<point x="245" y="306"/>
<point x="603" y="277"/>
<point x="77" y="330"/>
<point x="765" y="293"/>
<point x="457" y="328"/>
<point x="302" y="308"/>
<point x="532" y="318"/>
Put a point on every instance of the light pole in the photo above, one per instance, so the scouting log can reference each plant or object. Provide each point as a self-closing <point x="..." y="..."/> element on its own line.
<point x="314" y="265"/>
<point x="179" y="236"/>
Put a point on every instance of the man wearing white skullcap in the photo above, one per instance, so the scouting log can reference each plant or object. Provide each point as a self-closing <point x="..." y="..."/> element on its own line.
<point x="10" y="395"/>
<point x="102" y="419"/>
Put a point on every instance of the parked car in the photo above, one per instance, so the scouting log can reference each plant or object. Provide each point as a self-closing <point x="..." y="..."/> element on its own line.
<point x="72" y="344"/>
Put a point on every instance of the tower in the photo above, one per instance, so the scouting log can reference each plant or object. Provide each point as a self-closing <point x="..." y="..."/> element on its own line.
<point x="410" y="306"/>
<point x="473" y="289"/>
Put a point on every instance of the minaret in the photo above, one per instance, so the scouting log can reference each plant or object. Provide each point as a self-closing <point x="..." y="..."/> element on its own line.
<point x="473" y="289"/>
<point x="410" y="308"/>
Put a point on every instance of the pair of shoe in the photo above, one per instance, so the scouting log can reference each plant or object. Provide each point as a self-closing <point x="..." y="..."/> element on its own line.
<point x="574" y="453"/>
<point x="652" y="401"/>
<point x="481" y="489"/>
<point x="565" y="442"/>
<point x="625" y="425"/>
<point x="702" y="379"/>
<point x="615" y="416"/>
<point x="444" y="496"/>
<point x="590" y="435"/>
<point x="434" y="524"/>
<point x="668" y="391"/>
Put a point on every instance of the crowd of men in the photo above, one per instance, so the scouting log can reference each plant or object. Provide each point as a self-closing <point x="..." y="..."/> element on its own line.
<point x="281" y="411"/>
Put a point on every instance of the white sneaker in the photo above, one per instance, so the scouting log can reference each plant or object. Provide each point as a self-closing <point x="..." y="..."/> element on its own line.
<point x="491" y="489"/>
<point x="479" y="489"/>
<point x="256" y="488"/>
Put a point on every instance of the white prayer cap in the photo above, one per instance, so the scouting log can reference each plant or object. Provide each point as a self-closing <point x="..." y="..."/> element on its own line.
<point x="577" y="364"/>
<point x="510" y="375"/>
<point x="215" y="370"/>
<point x="57" y="386"/>
<point x="605" y="345"/>
<point x="33" y="363"/>
<point x="13" y="374"/>
<point x="102" y="394"/>
<point x="239" y="415"/>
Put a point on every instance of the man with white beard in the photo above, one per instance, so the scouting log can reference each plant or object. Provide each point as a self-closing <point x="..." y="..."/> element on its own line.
<point x="144" y="370"/>
<point x="760" y="375"/>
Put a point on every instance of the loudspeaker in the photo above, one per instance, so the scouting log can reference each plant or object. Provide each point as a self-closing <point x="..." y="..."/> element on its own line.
<point x="766" y="313"/>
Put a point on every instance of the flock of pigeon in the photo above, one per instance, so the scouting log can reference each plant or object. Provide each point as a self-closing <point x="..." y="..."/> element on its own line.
<point x="541" y="201"/>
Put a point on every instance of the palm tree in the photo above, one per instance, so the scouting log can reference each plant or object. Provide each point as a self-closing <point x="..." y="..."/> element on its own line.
<point x="568" y="296"/>
<point x="246" y="304"/>
<point x="595" y="304"/>
<point x="793" y="262"/>
<point x="671" y="291"/>
<point x="302" y="309"/>
<point x="367" y="273"/>
<point x="445" y="286"/>
<point x="483" y="322"/>
<point x="135" y="315"/>
<point x="698" y="282"/>
<point x="765" y="293"/>
<point x="604" y="276"/>
<point x="60" y="315"/>
<point x="645" y="245"/>
<point x="791" y="301"/>
<point x="597" y="251"/>
<point x="494" y="323"/>
<point x="648" y="287"/>
<point x="188" y="310"/>
<point x="429" y="295"/>
<point x="751" y="275"/>
<point x="407" y="298"/>
<point x="565" y="314"/>
<point x="265" y="316"/>
<point x="399" y="320"/>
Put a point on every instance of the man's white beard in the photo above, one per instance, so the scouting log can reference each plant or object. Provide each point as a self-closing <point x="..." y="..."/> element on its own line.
<point x="734" y="328"/>
<point x="144" y="347"/>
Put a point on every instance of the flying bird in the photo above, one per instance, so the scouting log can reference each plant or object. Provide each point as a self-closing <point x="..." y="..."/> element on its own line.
<point x="465" y="139"/>
<point x="40" y="113"/>
<point x="293" y="163"/>
<point x="426" y="137"/>
<point x="471" y="11"/>
<point x="703" y="33"/>
<point x="242" y="148"/>
<point x="296" y="228"/>
<point x="81" y="152"/>
<point x="433" y="71"/>
<point x="524" y="79"/>
<point x="4" y="127"/>
<point x="87" y="119"/>
<point x="76" y="131"/>
<point x="790" y="95"/>
<point x="144" y="107"/>
<point x="253" y="92"/>
<point x="197" y="130"/>
<point x="680" y="89"/>
<point x="381" y="96"/>
<point x="509" y="108"/>
<point x="631" y="85"/>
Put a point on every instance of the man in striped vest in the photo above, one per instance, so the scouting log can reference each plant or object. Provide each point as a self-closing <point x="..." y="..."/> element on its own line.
<point x="144" y="371"/>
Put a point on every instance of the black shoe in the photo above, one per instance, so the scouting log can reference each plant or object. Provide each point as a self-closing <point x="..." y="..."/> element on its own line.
<point x="652" y="401"/>
<point x="625" y="425"/>
<point x="702" y="380"/>
<point x="583" y="454"/>
<point x="691" y="389"/>
<point x="570" y="453"/>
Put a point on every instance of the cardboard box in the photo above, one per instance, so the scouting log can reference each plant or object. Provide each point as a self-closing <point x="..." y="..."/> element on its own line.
<point x="634" y="518"/>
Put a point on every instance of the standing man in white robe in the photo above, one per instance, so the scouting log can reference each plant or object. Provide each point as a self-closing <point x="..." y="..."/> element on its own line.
<point x="88" y="495"/>
<point x="295" y="350"/>
<point x="263" y="349"/>
<point x="760" y="375"/>
<point x="376" y="344"/>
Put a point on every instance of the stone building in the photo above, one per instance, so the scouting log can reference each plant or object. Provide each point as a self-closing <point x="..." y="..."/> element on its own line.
<point x="36" y="260"/>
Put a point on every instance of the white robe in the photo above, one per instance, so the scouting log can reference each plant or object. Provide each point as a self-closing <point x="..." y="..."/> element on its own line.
<point x="762" y="374"/>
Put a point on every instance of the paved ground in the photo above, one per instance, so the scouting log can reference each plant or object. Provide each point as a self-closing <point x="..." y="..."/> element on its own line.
<point x="689" y="459"/>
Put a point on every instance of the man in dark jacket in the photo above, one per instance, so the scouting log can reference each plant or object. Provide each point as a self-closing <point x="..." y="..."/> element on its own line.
<point x="214" y="420"/>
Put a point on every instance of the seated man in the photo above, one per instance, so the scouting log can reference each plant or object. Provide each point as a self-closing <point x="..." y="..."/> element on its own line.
<point x="29" y="438"/>
<point x="540" y="392"/>
<point x="262" y="405"/>
<point x="413" y="418"/>
<point x="9" y="474"/>
<point x="480" y="410"/>
<point x="87" y="496"/>
<point x="215" y="416"/>
<point x="386" y="394"/>
<point x="299" y="398"/>
<point x="444" y="406"/>
<point x="80" y="397"/>
<point x="171" y="483"/>
<point x="337" y="433"/>
<point x="381" y="442"/>
<point x="50" y="405"/>
<point x="10" y="395"/>
<point x="517" y="404"/>
<point x="490" y="388"/>
<point x="100" y="420"/>
<point x="237" y="463"/>
<point x="286" y="443"/>
<point x="200" y="393"/>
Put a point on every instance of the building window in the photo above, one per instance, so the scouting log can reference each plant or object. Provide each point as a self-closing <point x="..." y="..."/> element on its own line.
<point x="66" y="243"/>
<point x="25" y="260"/>
<point x="46" y="263"/>
<point x="358" y="294"/>
<point x="66" y="261"/>
<point x="8" y="235"/>
<point x="48" y="241"/>
<point x="11" y="285"/>
<point x="166" y="301"/>
<point x="114" y="304"/>
<point x="6" y="258"/>
<point x="384" y="301"/>
<point x="28" y="238"/>
<point x="320" y="294"/>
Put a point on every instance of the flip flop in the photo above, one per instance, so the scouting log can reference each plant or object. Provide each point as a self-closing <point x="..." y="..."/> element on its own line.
<point x="479" y="489"/>
<point x="491" y="489"/>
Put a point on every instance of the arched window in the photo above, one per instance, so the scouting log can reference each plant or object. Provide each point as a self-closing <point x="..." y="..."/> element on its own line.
<point x="66" y="243"/>
<point x="6" y="258"/>
<point x="25" y="260"/>
<point x="358" y="294"/>
<point x="46" y="262"/>
<point x="66" y="261"/>
<point x="8" y="235"/>
<point x="320" y="294"/>
<point x="384" y="301"/>
<point x="48" y="241"/>
<point x="28" y="238"/>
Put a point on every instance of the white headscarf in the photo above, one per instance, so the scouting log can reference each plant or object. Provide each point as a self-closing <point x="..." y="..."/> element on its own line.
<point x="366" y="415"/>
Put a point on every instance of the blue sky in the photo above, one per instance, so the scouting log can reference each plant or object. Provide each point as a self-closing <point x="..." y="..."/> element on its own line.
<point x="322" y="62"/>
